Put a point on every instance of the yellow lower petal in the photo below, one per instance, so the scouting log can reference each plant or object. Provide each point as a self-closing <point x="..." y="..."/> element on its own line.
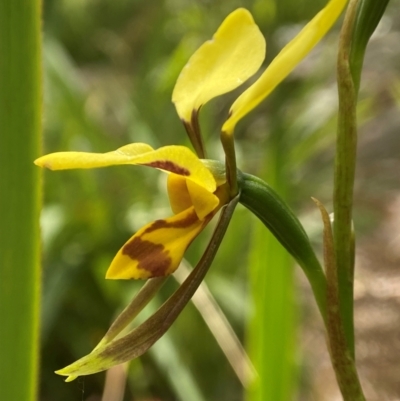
<point x="157" y="249"/>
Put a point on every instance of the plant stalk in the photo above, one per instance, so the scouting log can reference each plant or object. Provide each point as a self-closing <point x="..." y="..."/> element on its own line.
<point x="20" y="136"/>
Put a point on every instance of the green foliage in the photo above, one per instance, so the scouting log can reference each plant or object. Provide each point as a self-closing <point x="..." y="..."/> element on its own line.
<point x="20" y="136"/>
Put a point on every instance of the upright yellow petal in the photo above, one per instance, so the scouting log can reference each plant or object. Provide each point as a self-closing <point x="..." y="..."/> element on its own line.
<point x="284" y="62"/>
<point x="157" y="249"/>
<point x="220" y="65"/>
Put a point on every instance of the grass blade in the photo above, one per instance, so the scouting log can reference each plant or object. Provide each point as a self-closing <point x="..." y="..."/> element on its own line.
<point x="20" y="128"/>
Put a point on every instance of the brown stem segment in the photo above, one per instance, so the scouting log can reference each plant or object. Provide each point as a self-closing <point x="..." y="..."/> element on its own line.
<point x="342" y="360"/>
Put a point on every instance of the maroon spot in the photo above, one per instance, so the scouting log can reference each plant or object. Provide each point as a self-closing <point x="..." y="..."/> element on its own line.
<point x="169" y="166"/>
<point x="186" y="222"/>
<point x="150" y="256"/>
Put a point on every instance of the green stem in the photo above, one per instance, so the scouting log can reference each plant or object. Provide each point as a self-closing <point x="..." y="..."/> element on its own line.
<point x="20" y="131"/>
<point x="345" y="162"/>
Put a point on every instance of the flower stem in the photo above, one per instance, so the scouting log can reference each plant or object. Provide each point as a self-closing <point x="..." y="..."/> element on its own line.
<point x="346" y="149"/>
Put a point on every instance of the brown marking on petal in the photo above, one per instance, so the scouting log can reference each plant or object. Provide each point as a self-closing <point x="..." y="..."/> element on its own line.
<point x="186" y="222"/>
<point x="150" y="256"/>
<point x="169" y="166"/>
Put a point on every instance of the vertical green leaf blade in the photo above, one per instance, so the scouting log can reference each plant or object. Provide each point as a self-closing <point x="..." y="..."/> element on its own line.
<point x="20" y="127"/>
<point x="271" y="330"/>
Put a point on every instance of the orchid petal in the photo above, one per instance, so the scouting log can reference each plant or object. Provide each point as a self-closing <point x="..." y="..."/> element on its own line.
<point x="84" y="160"/>
<point x="220" y="65"/>
<point x="175" y="159"/>
<point x="179" y="160"/>
<point x="140" y="339"/>
<point x="284" y="62"/>
<point x="179" y="197"/>
<point x="184" y="193"/>
<point x="157" y="248"/>
<point x="204" y="202"/>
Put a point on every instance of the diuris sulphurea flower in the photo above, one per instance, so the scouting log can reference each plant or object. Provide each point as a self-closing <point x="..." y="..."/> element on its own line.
<point x="198" y="188"/>
<point x="157" y="248"/>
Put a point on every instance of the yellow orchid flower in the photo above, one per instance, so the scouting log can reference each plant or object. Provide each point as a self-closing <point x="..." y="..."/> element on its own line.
<point x="220" y="65"/>
<point x="197" y="189"/>
<point x="157" y="248"/>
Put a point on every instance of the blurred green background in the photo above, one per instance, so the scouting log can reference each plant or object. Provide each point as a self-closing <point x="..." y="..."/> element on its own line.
<point x="109" y="71"/>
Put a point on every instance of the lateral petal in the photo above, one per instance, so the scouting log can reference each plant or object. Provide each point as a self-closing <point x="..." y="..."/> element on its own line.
<point x="221" y="64"/>
<point x="179" y="160"/>
<point x="284" y="62"/>
<point x="157" y="248"/>
<point x="83" y="160"/>
<point x="175" y="159"/>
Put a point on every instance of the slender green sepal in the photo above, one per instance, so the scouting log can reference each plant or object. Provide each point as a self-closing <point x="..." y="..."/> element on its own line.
<point x="342" y="360"/>
<point x="20" y="140"/>
<point x="140" y="339"/>
<point x="141" y="299"/>
<point x="269" y="207"/>
<point x="369" y="13"/>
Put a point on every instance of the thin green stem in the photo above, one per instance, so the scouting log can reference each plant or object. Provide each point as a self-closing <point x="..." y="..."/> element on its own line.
<point x="20" y="132"/>
<point x="345" y="162"/>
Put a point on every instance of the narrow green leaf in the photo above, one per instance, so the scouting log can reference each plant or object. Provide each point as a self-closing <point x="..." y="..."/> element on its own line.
<point x="20" y="130"/>
<point x="271" y="330"/>
<point x="270" y="208"/>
